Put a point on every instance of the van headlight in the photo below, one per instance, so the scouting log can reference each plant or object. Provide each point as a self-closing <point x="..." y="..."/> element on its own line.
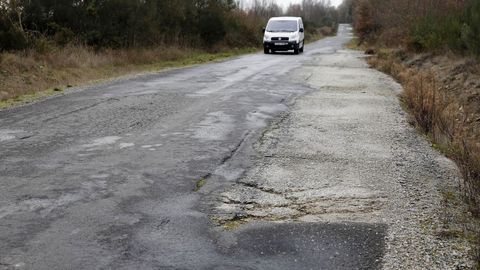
<point x="266" y="38"/>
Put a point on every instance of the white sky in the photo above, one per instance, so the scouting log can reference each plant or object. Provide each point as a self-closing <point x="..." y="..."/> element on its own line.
<point x="285" y="3"/>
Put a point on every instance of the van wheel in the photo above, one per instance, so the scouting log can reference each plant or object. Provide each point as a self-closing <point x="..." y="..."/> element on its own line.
<point x="266" y="51"/>
<point x="301" y="49"/>
<point x="295" y="51"/>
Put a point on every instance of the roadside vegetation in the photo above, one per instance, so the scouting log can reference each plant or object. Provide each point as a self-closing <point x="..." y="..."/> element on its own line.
<point x="29" y="75"/>
<point x="57" y="44"/>
<point x="433" y="49"/>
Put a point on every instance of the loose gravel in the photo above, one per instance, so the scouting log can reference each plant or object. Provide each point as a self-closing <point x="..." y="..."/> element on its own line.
<point x="347" y="153"/>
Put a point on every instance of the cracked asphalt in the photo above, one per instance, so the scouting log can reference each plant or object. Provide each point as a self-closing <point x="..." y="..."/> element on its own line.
<point x="258" y="162"/>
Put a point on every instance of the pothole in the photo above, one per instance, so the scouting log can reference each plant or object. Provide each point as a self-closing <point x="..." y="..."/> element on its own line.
<point x="248" y="201"/>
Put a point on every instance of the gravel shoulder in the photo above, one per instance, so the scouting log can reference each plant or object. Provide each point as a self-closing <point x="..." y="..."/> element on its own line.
<point x="346" y="154"/>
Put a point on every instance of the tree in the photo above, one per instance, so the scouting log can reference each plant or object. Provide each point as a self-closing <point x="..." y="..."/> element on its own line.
<point x="364" y="20"/>
<point x="471" y="29"/>
<point x="12" y="34"/>
<point x="345" y="11"/>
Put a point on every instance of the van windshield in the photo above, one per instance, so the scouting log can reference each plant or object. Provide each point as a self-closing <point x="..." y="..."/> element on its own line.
<point x="282" y="26"/>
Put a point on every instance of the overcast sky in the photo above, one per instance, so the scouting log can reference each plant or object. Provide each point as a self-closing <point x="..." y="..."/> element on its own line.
<point x="285" y="3"/>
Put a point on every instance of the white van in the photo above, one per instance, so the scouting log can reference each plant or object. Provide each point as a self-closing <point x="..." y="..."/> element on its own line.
<point x="284" y="34"/>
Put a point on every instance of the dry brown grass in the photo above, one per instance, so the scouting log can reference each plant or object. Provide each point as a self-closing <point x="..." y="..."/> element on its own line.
<point x="443" y="97"/>
<point x="30" y="72"/>
<point x="445" y="108"/>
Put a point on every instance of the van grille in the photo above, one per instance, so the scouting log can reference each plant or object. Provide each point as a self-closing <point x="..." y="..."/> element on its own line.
<point x="280" y="38"/>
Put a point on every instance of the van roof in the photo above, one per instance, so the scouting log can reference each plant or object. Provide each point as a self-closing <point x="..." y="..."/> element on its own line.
<point x="285" y="18"/>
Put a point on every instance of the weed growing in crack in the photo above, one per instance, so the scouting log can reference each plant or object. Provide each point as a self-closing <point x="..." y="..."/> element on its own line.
<point x="200" y="183"/>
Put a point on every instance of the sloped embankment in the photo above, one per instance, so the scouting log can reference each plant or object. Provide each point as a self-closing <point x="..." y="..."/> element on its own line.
<point x="443" y="95"/>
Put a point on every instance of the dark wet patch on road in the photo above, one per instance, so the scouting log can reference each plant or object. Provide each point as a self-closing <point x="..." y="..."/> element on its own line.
<point x="311" y="245"/>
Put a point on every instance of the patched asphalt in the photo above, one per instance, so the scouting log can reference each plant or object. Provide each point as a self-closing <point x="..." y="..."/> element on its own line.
<point x="106" y="177"/>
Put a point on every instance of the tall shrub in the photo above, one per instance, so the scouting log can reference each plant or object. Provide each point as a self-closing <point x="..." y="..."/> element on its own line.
<point x="434" y="32"/>
<point x="12" y="36"/>
<point x="471" y="29"/>
<point x="364" y="20"/>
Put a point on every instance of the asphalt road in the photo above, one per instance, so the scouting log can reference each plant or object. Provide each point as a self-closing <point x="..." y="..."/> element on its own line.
<point x="110" y="176"/>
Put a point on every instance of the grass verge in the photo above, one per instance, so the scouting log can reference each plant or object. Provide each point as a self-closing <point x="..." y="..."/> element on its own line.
<point x="29" y="76"/>
<point x="354" y="44"/>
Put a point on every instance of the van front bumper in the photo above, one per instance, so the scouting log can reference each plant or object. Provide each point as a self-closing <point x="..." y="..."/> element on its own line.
<point x="280" y="45"/>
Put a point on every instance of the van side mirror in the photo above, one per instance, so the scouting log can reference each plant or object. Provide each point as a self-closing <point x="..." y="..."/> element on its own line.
<point x="263" y="30"/>
<point x="301" y="30"/>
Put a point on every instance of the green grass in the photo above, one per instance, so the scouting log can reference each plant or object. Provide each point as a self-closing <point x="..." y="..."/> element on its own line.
<point x="200" y="183"/>
<point x="314" y="38"/>
<point x="28" y="98"/>
<point x="196" y="59"/>
<point x="232" y="225"/>
<point x="353" y="44"/>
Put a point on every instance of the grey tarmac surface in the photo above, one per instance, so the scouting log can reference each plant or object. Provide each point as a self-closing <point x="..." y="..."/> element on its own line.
<point x="258" y="162"/>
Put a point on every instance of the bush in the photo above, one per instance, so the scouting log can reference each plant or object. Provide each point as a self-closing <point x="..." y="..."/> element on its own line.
<point x="424" y="26"/>
<point x="243" y="30"/>
<point x="365" y="25"/>
<point x="43" y="45"/>
<point x="471" y="29"/>
<point x="326" y="31"/>
<point x="212" y="28"/>
<point x="63" y="35"/>
<point x="11" y="38"/>
<point x="434" y="32"/>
